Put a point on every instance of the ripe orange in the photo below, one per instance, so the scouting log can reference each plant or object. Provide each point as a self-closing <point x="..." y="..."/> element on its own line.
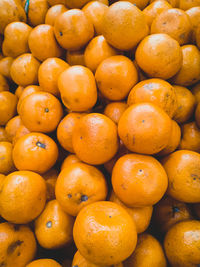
<point x="6" y="159"/>
<point x="53" y="12"/>
<point x="114" y="110"/>
<point x="190" y="137"/>
<point x="8" y="106"/>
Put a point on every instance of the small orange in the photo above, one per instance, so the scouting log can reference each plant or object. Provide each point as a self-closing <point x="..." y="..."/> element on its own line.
<point x="79" y="185"/>
<point x="190" y="137"/>
<point x="35" y="152"/>
<point x="8" y="106"/>
<point x="19" y="91"/>
<point x="95" y="139"/>
<point x="105" y="233"/>
<point x="139" y="180"/>
<point x="44" y="263"/>
<point x="80" y="261"/>
<point x="6" y="160"/>
<point x="3" y="135"/>
<point x="114" y="110"/>
<point x="50" y="178"/>
<point x="186" y="4"/>
<point x="21" y="131"/>
<point x="75" y="57"/>
<point x="71" y="159"/>
<point x="194" y="15"/>
<point x="5" y="65"/>
<point x="78" y="88"/>
<point x="23" y="197"/>
<point x="196" y="91"/>
<point x="3" y="84"/>
<point x="12" y="126"/>
<point x="152" y="56"/>
<point x="53" y="12"/>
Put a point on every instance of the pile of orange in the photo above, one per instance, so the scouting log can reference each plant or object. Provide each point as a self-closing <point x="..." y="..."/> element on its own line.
<point x="99" y="133"/>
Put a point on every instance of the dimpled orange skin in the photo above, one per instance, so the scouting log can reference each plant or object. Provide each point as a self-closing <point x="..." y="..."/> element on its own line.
<point x="5" y="65"/>
<point x="53" y="12"/>
<point x="41" y="112"/>
<point x="12" y="126"/>
<point x="124" y="25"/>
<point x="65" y="130"/>
<point x="50" y="178"/>
<point x="189" y="73"/>
<point x="24" y="70"/>
<point x="190" y="137"/>
<point x="159" y="56"/>
<point x="95" y="139"/>
<point x="73" y="29"/>
<point x="115" y="239"/>
<point x="8" y="105"/>
<point x="22" y="239"/>
<point x="141" y="216"/>
<point x="19" y="133"/>
<point x="197" y="115"/>
<point x="139" y="131"/>
<point x="114" y="110"/>
<point x="6" y="160"/>
<point x="71" y="159"/>
<point x="35" y="152"/>
<point x="96" y="51"/>
<point x="22" y="197"/>
<point x="156" y="91"/>
<point x="75" y="57"/>
<point x="3" y="84"/>
<point x="148" y="252"/>
<point x="115" y="76"/>
<point x="182" y="243"/>
<point x="44" y="263"/>
<point x="54" y="227"/>
<point x="78" y="88"/>
<point x="168" y="212"/>
<point x="139" y="180"/>
<point x="186" y="4"/>
<point x="79" y="185"/>
<point x="183" y="171"/>
<point x="3" y="135"/>
<point x="194" y="15"/>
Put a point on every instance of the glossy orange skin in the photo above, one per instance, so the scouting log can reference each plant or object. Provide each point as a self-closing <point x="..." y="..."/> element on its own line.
<point x="156" y="91"/>
<point x="190" y="137"/>
<point x="8" y="106"/>
<point x="65" y="130"/>
<point x="41" y="112"/>
<point x="6" y="160"/>
<point x="3" y="84"/>
<point x="42" y="42"/>
<point x="189" y="73"/>
<point x="78" y="88"/>
<point x="115" y="239"/>
<point x="186" y="4"/>
<point x="73" y="29"/>
<point x="24" y="70"/>
<point x="96" y="51"/>
<point x="141" y="216"/>
<point x="114" y="110"/>
<point x="115" y="76"/>
<point x="71" y="159"/>
<point x="181" y="244"/>
<point x="19" y="91"/>
<point x="5" y="65"/>
<point x="197" y="115"/>
<point x="35" y="152"/>
<point x="16" y="39"/>
<point x="139" y="180"/>
<point x="80" y="261"/>
<point x="95" y="139"/>
<point x="185" y="104"/>
<point x="44" y="263"/>
<point x="79" y="185"/>
<point x="194" y="15"/>
<point x="53" y="228"/>
<point x="21" y="131"/>
<point x="23" y="240"/>
<point x="152" y="56"/>
<point x="3" y="135"/>
<point x="120" y="29"/>
<point x="53" y="12"/>
<point x="75" y="57"/>
<point x="138" y="128"/>
<point x="182" y="168"/>
<point x="95" y="12"/>
<point x="173" y="3"/>
<point x="22" y="197"/>
<point x="12" y="126"/>
<point x="50" y="178"/>
<point x="148" y="252"/>
<point x="196" y="92"/>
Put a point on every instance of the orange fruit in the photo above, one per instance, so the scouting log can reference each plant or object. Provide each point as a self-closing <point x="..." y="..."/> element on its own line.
<point x="44" y="263"/>
<point x="197" y="37"/>
<point x="56" y="2"/>
<point x="76" y="3"/>
<point x="79" y="185"/>
<point x="22" y="197"/>
<point x="190" y="137"/>
<point x="114" y="110"/>
<point x="3" y="135"/>
<point x="115" y="238"/>
<point x="53" y="12"/>
<point x="71" y="159"/>
<point x="196" y="92"/>
<point x="79" y="260"/>
<point x="12" y="126"/>
<point x="50" y="178"/>
<point x="141" y="4"/>
<point x="75" y="57"/>
<point x="186" y="4"/>
<point x="21" y="131"/>
<point x="95" y="139"/>
<point x="194" y="15"/>
<point x="138" y="130"/>
<point x="35" y="152"/>
<point x="6" y="160"/>
<point x="197" y="115"/>
<point x="8" y="106"/>
<point x="5" y="65"/>
<point x="3" y="84"/>
<point x="19" y="91"/>
<point x="152" y="56"/>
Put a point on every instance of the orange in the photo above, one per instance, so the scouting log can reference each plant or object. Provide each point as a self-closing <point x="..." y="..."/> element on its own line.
<point x="141" y="4"/>
<point x="182" y="168"/>
<point x="3" y="135"/>
<point x="190" y="137"/>
<point x="148" y="252"/>
<point x="186" y="4"/>
<point x="50" y="178"/>
<point x="80" y="261"/>
<point x="19" y="91"/>
<point x="56" y="2"/>
<point x="104" y="233"/>
<point x="79" y="185"/>
<point x="71" y="159"/>
<point x="18" y="244"/>
<point x="189" y="73"/>
<point x="174" y="22"/>
<point x="53" y="12"/>
<point x="95" y="139"/>
<point x="16" y="39"/>
<point x="138" y="128"/>
<point x="185" y="104"/>
<point x="141" y="216"/>
<point x="24" y="70"/>
<point x="23" y="197"/>
<point x="152" y="56"/>
<point x="6" y="160"/>
<point x="78" y="88"/>
<point x="8" y="106"/>
<point x="65" y="130"/>
<point x="173" y="3"/>
<point x="5" y="65"/>
<point x="76" y="3"/>
<point x="156" y="91"/>
<point x="115" y="76"/>
<point x="21" y="131"/>
<point x="182" y="242"/>
<point x="168" y="212"/>
<point x="44" y="263"/>
<point x="139" y="180"/>
<point x="53" y="228"/>
<point x="35" y="152"/>
<point x="196" y="92"/>
<point x="75" y="57"/>
<point x="3" y="84"/>
<point x="114" y="110"/>
<point x="197" y="37"/>
<point x="197" y="115"/>
<point x="73" y="29"/>
<point x="96" y="51"/>
<point x="194" y="15"/>
<point x="41" y="112"/>
<point x="12" y="126"/>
